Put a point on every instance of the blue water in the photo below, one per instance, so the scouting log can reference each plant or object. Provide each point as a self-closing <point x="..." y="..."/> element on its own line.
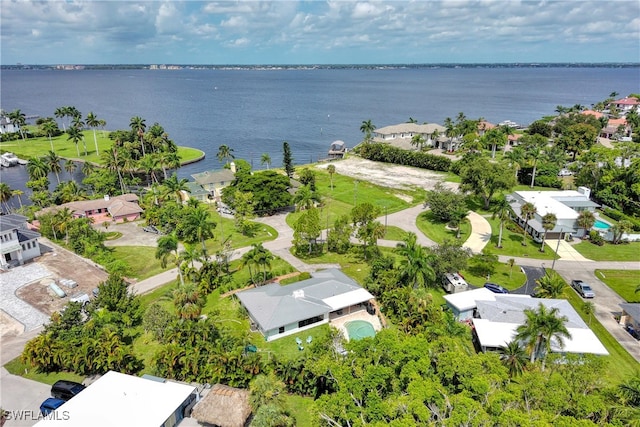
<point x="601" y="225"/>
<point x="254" y="111"/>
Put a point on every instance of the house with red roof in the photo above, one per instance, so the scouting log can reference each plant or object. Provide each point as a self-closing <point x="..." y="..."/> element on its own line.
<point x="625" y="105"/>
<point x="117" y="209"/>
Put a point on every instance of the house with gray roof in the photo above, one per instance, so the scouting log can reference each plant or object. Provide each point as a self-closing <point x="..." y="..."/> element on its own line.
<point x="17" y="242"/>
<point x="400" y="135"/>
<point x="214" y="181"/>
<point x="630" y="317"/>
<point x="278" y="311"/>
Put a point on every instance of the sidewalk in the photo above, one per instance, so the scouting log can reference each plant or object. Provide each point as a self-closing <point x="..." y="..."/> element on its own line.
<point x="565" y="250"/>
<point x="480" y="233"/>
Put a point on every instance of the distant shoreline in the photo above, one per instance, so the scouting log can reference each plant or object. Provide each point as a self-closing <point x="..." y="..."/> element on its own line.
<point x="170" y="66"/>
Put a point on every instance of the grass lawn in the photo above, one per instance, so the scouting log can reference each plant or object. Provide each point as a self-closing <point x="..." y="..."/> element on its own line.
<point x="301" y="408"/>
<point x="623" y="282"/>
<point x="394" y="233"/>
<point x="16" y="367"/>
<point x="504" y="276"/>
<point x="512" y="243"/>
<point x="609" y="252"/>
<point x="622" y="365"/>
<point x="438" y="232"/>
<point x="226" y="227"/>
<point x="348" y="191"/>
<point x="141" y="260"/>
<point x="38" y="147"/>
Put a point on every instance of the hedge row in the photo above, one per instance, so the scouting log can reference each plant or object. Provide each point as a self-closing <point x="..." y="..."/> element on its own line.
<point x="388" y="154"/>
<point x="618" y="216"/>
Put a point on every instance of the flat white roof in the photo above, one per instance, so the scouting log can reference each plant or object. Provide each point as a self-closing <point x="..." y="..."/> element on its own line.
<point x="350" y="298"/>
<point x="463" y="301"/>
<point x="498" y="334"/>
<point x="546" y="202"/>
<point x="117" y="399"/>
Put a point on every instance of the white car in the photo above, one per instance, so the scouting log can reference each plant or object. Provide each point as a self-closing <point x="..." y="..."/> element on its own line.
<point x="565" y="172"/>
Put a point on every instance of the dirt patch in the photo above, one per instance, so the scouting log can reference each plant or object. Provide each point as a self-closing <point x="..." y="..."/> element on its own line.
<point x="63" y="265"/>
<point x="388" y="175"/>
<point x="9" y="326"/>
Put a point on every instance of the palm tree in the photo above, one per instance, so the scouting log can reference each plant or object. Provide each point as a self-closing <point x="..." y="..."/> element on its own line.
<point x="621" y="227"/>
<point x="63" y="218"/>
<point x="49" y="127"/>
<point x="167" y="250"/>
<point x="93" y="122"/>
<point x="418" y="141"/>
<point x="304" y="198"/>
<point x="540" y="327"/>
<point x="37" y="168"/>
<point x="5" y="195"/>
<point x="18" y="192"/>
<point x="585" y="220"/>
<point x="513" y="357"/>
<point x="502" y="211"/>
<point x="265" y="159"/>
<point x="511" y="262"/>
<point x="534" y="152"/>
<point x="70" y="166"/>
<point x="416" y="263"/>
<point x="225" y="153"/>
<point x="20" y="119"/>
<point x="456" y="216"/>
<point x="176" y="187"/>
<point x="250" y="260"/>
<point x="150" y="164"/>
<point x="53" y="161"/>
<point x="199" y="227"/>
<point x="138" y="126"/>
<point x="331" y="169"/>
<point x="61" y="113"/>
<point x="75" y="135"/>
<point x="87" y="168"/>
<point x="527" y="211"/>
<point x="367" y="128"/>
<point x="515" y="157"/>
<point x="188" y="301"/>
<point x="70" y="191"/>
<point x="548" y="223"/>
<point x="114" y="164"/>
<point x="263" y="259"/>
<point x="550" y="286"/>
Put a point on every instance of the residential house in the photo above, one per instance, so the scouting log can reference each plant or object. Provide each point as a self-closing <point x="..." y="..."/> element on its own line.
<point x="617" y="129"/>
<point x="195" y="191"/>
<point x="18" y="243"/>
<point x="484" y="126"/>
<point x="7" y="125"/>
<point x="496" y="323"/>
<point x="214" y="181"/>
<point x="117" y="399"/>
<point x="625" y="105"/>
<point x="565" y="205"/>
<point x="223" y="406"/>
<point x="117" y="209"/>
<point x="401" y="135"/>
<point x="495" y="318"/>
<point x="278" y="311"/>
<point x="630" y="318"/>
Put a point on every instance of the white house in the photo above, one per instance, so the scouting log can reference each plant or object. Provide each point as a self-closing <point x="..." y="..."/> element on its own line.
<point x="565" y="205"/>
<point x="17" y="242"/>
<point x="117" y="399"/>
<point x="7" y="125"/>
<point x="402" y="134"/>
<point x="278" y="311"/>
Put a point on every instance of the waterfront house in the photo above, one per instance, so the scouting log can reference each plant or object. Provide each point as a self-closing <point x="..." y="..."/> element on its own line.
<point x="625" y="105"/>
<point x="278" y="311"/>
<point x="215" y="180"/>
<point x="400" y="135"/>
<point x="7" y="125"/>
<point x="17" y="242"/>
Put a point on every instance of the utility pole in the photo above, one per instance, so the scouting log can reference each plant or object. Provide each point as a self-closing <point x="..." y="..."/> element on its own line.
<point x="553" y="264"/>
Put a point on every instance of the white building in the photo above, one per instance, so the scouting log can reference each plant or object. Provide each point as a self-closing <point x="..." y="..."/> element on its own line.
<point x="402" y="134"/>
<point x="565" y="205"/>
<point x="7" y="125"/>
<point x="117" y="399"/>
<point x="17" y="243"/>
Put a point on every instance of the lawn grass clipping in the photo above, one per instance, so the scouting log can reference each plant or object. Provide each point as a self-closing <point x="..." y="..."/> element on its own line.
<point x="623" y="282"/>
<point x="609" y="252"/>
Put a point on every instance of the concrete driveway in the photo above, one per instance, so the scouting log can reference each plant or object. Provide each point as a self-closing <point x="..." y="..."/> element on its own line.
<point x="132" y="235"/>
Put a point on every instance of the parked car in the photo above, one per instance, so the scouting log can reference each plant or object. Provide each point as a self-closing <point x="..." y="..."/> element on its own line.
<point x="565" y="172"/>
<point x="50" y="405"/>
<point x="495" y="288"/>
<point x="583" y="289"/>
<point x="65" y="390"/>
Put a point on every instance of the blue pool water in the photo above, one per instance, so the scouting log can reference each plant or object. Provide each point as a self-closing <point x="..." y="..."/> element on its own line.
<point x="601" y="224"/>
<point x="359" y="329"/>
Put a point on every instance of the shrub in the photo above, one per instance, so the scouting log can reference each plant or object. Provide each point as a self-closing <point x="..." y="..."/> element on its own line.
<point x="596" y="238"/>
<point x="386" y="153"/>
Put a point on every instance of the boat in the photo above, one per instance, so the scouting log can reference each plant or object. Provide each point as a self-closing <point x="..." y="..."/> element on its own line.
<point x="8" y="160"/>
<point x="22" y="162"/>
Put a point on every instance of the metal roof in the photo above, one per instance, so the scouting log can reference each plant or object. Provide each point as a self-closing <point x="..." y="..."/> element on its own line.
<point x="632" y="310"/>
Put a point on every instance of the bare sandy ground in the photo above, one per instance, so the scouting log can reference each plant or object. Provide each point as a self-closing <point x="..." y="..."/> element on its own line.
<point x="388" y="175"/>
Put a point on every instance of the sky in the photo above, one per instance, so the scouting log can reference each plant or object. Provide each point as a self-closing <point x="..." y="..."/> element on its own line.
<point x="318" y="32"/>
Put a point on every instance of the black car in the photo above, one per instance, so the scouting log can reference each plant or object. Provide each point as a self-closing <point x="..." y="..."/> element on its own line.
<point x="495" y="288"/>
<point x="65" y="390"/>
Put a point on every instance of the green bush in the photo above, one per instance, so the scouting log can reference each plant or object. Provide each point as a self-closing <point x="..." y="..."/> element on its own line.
<point x="596" y="238"/>
<point x="619" y="216"/>
<point x="388" y="154"/>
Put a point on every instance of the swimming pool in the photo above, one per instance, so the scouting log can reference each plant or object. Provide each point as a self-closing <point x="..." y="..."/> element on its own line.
<point x="358" y="329"/>
<point x="601" y="225"/>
